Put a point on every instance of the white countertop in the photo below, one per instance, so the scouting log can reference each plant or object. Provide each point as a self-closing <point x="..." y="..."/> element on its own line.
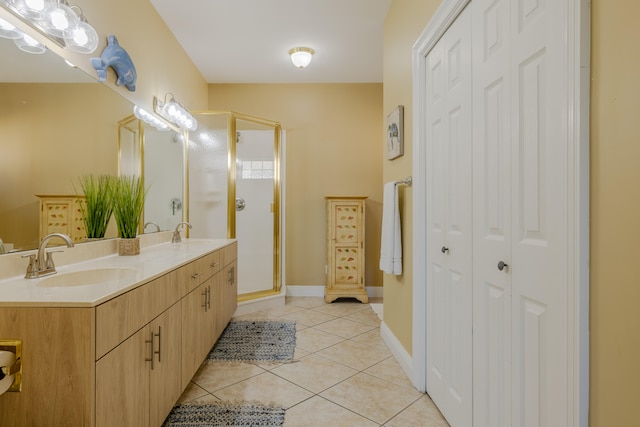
<point x="152" y="262"/>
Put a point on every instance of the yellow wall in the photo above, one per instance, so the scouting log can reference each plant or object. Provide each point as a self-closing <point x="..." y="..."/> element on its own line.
<point x="615" y="212"/>
<point x="404" y="22"/>
<point x="332" y="146"/>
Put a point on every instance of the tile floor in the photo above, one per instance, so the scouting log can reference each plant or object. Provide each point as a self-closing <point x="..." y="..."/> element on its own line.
<point x="344" y="374"/>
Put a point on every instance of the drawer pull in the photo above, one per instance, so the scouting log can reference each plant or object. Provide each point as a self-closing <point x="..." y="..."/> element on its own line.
<point x="214" y="264"/>
<point x="196" y="275"/>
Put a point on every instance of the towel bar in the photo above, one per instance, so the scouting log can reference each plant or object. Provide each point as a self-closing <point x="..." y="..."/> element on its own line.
<point x="408" y="180"/>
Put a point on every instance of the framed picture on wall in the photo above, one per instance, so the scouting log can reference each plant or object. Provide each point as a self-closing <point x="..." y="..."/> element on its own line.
<point x="395" y="139"/>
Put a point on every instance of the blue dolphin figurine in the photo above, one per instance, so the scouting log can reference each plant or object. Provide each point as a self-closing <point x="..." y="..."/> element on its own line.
<point x="117" y="58"/>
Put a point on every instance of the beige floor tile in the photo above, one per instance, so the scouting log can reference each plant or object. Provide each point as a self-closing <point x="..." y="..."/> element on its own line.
<point x="266" y="388"/>
<point x="203" y="400"/>
<point x="354" y="355"/>
<point x="281" y="311"/>
<point x="192" y="392"/>
<point x="372" y="339"/>
<point x="215" y="375"/>
<point x="305" y="302"/>
<point x="314" y="373"/>
<point x="312" y="339"/>
<point x="371" y="397"/>
<point x="320" y="412"/>
<point x="391" y="371"/>
<point x="258" y="315"/>
<point x="344" y="328"/>
<point x="366" y="316"/>
<point x="308" y="317"/>
<point x="340" y="309"/>
<point x="422" y="413"/>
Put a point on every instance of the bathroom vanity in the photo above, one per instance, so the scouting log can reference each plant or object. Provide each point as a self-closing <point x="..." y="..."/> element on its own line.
<point x="120" y="350"/>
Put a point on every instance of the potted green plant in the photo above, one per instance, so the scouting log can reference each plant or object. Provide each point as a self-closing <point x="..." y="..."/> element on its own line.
<point x="96" y="208"/>
<point x="127" y="195"/>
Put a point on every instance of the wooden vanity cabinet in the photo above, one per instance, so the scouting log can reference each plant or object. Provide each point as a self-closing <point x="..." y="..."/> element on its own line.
<point x="124" y="362"/>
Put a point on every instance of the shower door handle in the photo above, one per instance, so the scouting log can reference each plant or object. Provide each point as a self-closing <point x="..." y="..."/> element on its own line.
<point x="240" y="204"/>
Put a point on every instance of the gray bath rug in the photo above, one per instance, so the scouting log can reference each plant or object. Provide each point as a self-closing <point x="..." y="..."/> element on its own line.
<point x="256" y="341"/>
<point x="225" y="414"/>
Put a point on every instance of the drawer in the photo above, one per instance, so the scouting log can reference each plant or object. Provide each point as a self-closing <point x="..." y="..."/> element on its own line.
<point x="121" y="317"/>
<point x="199" y="271"/>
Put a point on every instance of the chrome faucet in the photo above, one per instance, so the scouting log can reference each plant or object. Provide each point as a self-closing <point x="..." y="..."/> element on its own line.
<point x="152" y="223"/>
<point x="176" y="234"/>
<point x="42" y="264"/>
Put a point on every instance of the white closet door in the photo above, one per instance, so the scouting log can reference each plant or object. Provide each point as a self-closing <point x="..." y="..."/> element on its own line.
<point x="492" y="185"/>
<point x="520" y="213"/>
<point x="539" y="204"/>
<point x="449" y="298"/>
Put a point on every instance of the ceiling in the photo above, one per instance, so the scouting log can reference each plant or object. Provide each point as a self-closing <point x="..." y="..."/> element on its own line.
<point x="247" y="41"/>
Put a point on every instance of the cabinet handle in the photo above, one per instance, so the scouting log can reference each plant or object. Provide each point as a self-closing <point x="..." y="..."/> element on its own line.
<point x="209" y="297"/>
<point x="232" y="275"/>
<point x="150" y="359"/>
<point x="214" y="264"/>
<point x="204" y="294"/>
<point x="196" y="275"/>
<point x="159" y="335"/>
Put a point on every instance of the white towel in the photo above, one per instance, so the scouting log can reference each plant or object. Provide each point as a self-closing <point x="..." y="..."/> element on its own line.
<point x="391" y="240"/>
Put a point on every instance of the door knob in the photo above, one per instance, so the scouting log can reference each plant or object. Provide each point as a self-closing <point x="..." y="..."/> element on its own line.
<point x="240" y="204"/>
<point x="502" y="265"/>
<point x="444" y="249"/>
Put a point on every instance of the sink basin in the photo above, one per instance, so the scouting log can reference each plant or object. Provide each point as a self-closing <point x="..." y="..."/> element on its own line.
<point x="88" y="277"/>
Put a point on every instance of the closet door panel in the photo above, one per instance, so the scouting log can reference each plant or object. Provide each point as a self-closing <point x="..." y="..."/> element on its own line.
<point x="539" y="241"/>
<point x="449" y="223"/>
<point x="492" y="214"/>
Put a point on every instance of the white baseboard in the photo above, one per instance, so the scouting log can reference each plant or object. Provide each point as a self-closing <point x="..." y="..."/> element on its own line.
<point x="318" y="291"/>
<point x="398" y="351"/>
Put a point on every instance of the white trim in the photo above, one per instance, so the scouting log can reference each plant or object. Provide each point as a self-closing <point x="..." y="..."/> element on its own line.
<point x="318" y="291"/>
<point x="397" y="349"/>
<point x="578" y="49"/>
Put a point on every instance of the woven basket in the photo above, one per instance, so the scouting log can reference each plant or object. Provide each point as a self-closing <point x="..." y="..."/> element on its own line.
<point x="129" y="246"/>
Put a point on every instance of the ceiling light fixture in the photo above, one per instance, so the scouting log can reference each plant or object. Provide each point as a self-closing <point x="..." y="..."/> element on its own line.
<point x="174" y="112"/>
<point x="301" y="56"/>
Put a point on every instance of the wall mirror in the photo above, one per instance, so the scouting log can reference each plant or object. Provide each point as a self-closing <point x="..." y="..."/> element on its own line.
<point x="56" y="124"/>
<point x="159" y="156"/>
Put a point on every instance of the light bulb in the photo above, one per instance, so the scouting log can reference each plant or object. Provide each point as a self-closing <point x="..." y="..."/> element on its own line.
<point x="8" y="31"/>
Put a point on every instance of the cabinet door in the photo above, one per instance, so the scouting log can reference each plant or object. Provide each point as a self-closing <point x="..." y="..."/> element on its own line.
<point x="122" y="383"/>
<point x="165" y="383"/>
<point x="194" y="329"/>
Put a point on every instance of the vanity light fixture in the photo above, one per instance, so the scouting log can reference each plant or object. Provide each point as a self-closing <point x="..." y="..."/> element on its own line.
<point x="66" y="25"/>
<point x="60" y="20"/>
<point x="171" y="110"/>
<point x="84" y="38"/>
<point x="301" y="56"/>
<point x="33" y="9"/>
<point x="8" y="31"/>
<point x="28" y="44"/>
<point x="150" y="119"/>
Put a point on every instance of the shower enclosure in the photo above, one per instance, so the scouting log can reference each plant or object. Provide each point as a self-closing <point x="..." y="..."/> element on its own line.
<point x="235" y="187"/>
